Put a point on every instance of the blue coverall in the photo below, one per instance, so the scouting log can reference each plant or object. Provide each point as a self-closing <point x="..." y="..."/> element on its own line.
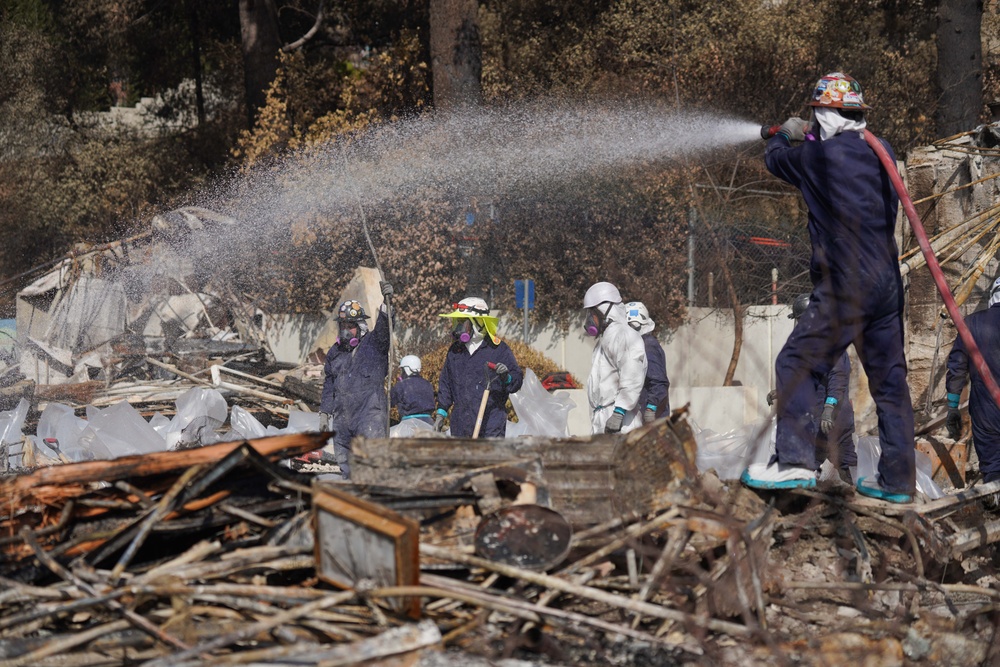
<point x="657" y="384"/>
<point x="354" y="391"/>
<point x="841" y="437"/>
<point x="857" y="297"/>
<point x="983" y="412"/>
<point x="463" y="380"/>
<point x="414" y="398"/>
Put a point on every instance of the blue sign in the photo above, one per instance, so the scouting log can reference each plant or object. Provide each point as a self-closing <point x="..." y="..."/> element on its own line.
<point x="519" y="294"/>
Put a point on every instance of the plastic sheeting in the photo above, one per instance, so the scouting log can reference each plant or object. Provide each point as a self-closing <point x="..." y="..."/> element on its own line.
<point x="119" y="430"/>
<point x="302" y="422"/>
<point x="11" y="424"/>
<point x="200" y="411"/>
<point x="413" y="428"/>
<point x="59" y="422"/>
<point x="730" y="453"/>
<point x="244" y="425"/>
<point x="869" y="452"/>
<point x="538" y="411"/>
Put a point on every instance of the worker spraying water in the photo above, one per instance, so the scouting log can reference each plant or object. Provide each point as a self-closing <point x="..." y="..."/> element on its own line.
<point x="857" y="294"/>
<point x="852" y="203"/>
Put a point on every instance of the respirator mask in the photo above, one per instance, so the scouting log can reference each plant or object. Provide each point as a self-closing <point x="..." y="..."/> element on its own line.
<point x="594" y="323"/>
<point x="350" y="334"/>
<point x="462" y="331"/>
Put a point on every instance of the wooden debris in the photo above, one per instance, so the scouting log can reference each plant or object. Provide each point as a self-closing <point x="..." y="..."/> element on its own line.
<point x="218" y="555"/>
<point x="358" y="542"/>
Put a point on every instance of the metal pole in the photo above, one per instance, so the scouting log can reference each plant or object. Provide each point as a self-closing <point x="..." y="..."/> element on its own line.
<point x="525" y="311"/>
<point x="774" y="286"/>
<point x="691" y="220"/>
<point x="387" y="301"/>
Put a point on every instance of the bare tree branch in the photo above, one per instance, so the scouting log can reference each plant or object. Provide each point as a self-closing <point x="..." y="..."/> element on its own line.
<point x="300" y="42"/>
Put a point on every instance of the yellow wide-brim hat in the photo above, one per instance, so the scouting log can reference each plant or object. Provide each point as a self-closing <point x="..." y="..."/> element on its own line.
<point x="488" y="323"/>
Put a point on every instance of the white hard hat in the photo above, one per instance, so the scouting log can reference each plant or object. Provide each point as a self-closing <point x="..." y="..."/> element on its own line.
<point x="635" y="311"/>
<point x="410" y="363"/>
<point x="473" y="306"/>
<point x="601" y="293"/>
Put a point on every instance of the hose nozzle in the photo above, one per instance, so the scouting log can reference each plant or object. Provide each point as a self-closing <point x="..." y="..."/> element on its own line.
<point x="768" y="131"/>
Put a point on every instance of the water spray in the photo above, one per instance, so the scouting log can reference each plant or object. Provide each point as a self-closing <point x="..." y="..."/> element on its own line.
<point x="934" y="266"/>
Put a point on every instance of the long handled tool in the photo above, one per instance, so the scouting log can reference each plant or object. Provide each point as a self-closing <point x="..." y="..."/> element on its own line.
<point x="935" y="268"/>
<point x="482" y="404"/>
<point x="388" y="302"/>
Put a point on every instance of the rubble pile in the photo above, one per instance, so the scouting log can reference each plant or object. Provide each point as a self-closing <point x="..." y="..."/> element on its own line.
<point x="612" y="550"/>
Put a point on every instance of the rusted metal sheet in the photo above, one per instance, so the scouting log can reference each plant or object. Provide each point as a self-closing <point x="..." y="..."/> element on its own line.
<point x="948" y="459"/>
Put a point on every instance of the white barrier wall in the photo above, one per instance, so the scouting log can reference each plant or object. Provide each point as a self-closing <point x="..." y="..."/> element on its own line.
<point x="697" y="356"/>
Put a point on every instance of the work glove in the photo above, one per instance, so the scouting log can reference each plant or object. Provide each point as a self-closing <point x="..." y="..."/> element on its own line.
<point x="614" y="423"/>
<point x="954" y="423"/>
<point x="772" y="396"/>
<point x="649" y="414"/>
<point x="439" y="421"/>
<point x="826" y="419"/>
<point x="386" y="289"/>
<point x="502" y="372"/>
<point x="325" y="421"/>
<point x="794" y="129"/>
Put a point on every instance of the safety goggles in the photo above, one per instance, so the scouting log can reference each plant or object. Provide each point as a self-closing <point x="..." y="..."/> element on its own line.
<point x="461" y="307"/>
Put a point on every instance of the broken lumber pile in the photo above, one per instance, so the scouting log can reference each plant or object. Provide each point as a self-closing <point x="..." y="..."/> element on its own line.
<point x="221" y="556"/>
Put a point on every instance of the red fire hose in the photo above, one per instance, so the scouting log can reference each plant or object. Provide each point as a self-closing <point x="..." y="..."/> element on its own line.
<point x="935" y="268"/>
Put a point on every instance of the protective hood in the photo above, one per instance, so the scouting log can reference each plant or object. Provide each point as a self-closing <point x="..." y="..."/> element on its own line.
<point x="487" y="322"/>
<point x="995" y="293"/>
<point x="647" y="327"/>
<point x="831" y="123"/>
<point x="617" y="314"/>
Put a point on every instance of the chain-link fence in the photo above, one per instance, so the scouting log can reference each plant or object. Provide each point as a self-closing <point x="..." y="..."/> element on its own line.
<point x="749" y="260"/>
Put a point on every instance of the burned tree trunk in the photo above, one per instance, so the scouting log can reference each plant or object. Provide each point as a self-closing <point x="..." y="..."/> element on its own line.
<point x="960" y="66"/>
<point x="456" y="54"/>
<point x="261" y="44"/>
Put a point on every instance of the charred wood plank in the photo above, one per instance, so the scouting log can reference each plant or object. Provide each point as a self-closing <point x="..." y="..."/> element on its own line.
<point x="310" y="392"/>
<point x="22" y="487"/>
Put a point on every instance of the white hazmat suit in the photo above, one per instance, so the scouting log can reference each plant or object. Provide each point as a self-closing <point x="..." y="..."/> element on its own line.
<point x="617" y="372"/>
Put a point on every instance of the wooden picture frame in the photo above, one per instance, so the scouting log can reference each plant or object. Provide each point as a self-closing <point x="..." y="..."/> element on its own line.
<point x="357" y="539"/>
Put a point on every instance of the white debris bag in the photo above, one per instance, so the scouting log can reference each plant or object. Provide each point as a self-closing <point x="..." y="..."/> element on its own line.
<point x="119" y="430"/>
<point x="730" y="453"/>
<point x="302" y="422"/>
<point x="538" y="411"/>
<point x="244" y="425"/>
<point x="869" y="452"/>
<point x="11" y="425"/>
<point x="200" y="411"/>
<point x="413" y="428"/>
<point x="60" y="423"/>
